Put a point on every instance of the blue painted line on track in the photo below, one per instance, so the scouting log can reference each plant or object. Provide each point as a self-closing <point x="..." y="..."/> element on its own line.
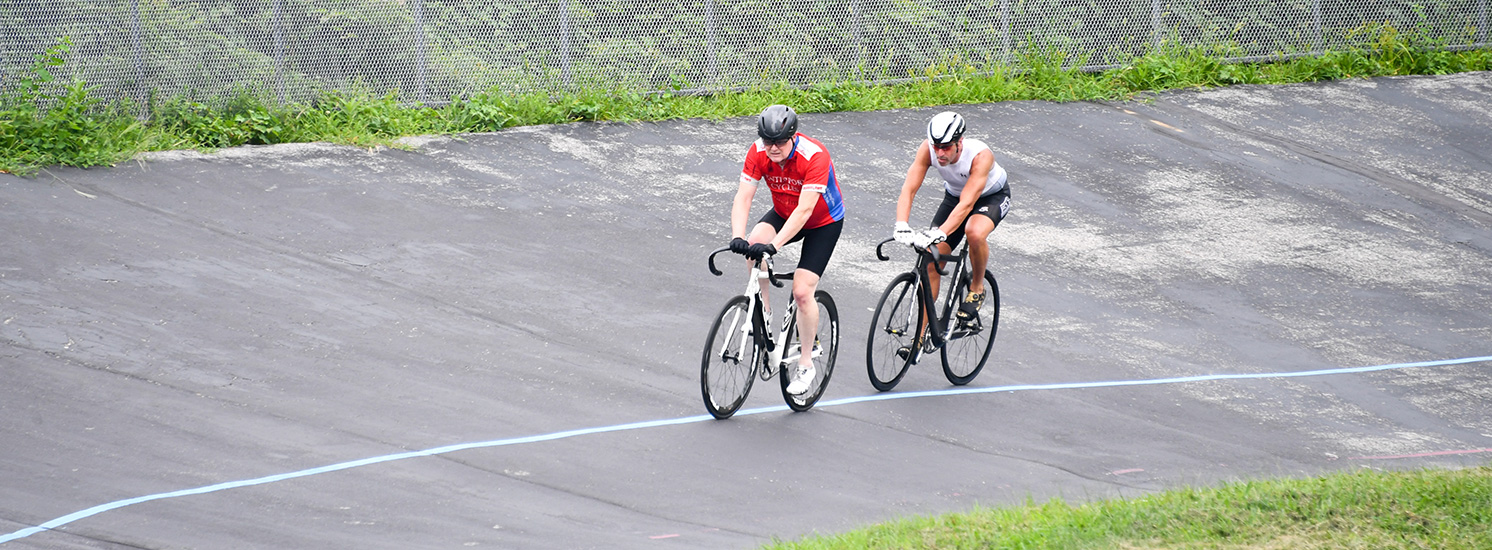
<point x="82" y="514"/>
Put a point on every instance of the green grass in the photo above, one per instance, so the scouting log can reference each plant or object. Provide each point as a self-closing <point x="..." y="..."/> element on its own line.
<point x="76" y="129"/>
<point x="1366" y="509"/>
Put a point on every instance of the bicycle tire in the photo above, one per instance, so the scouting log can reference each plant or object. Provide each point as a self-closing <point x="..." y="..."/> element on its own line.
<point x="900" y="308"/>
<point x="828" y="346"/>
<point x="968" y="348"/>
<point x="725" y="378"/>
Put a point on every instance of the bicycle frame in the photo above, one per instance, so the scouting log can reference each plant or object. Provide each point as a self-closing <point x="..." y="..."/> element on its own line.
<point x="939" y="328"/>
<point x="760" y="319"/>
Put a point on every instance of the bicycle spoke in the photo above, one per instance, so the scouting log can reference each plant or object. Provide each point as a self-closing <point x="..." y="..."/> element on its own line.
<point x="822" y="353"/>
<point x="728" y="366"/>
<point x="968" y="347"/>
<point x="893" y="330"/>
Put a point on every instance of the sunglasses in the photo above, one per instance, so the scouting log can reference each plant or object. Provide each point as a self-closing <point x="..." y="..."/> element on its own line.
<point x="778" y="144"/>
<point x="945" y="146"/>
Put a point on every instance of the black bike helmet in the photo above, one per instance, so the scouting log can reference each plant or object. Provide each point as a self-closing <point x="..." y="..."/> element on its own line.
<point x="945" y="128"/>
<point x="777" y="123"/>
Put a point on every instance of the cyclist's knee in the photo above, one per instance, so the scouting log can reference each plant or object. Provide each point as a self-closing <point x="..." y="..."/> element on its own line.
<point x="803" y="295"/>
<point x="803" y="289"/>
<point x="761" y="233"/>
<point x="978" y="228"/>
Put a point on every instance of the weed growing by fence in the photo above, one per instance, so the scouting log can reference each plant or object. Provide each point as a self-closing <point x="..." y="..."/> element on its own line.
<point x="68" y="127"/>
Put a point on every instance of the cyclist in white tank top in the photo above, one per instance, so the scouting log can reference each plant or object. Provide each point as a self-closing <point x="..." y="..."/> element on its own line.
<point x="956" y="175"/>
<point x="967" y="210"/>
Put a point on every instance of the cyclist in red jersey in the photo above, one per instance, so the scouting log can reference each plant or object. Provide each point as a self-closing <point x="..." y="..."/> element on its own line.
<point x="806" y="205"/>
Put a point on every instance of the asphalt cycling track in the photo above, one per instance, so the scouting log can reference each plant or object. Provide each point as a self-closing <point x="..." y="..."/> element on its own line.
<point x="307" y="319"/>
<point x="705" y="418"/>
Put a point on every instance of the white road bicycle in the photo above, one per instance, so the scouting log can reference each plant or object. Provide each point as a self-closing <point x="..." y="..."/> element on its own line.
<point x="742" y="345"/>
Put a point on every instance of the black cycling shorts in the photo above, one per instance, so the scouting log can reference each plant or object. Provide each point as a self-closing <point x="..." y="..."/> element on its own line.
<point x="992" y="206"/>
<point x="818" y="243"/>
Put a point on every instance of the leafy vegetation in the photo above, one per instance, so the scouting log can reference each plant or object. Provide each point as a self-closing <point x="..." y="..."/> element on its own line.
<point x="1442" y="509"/>
<point x="70" y="127"/>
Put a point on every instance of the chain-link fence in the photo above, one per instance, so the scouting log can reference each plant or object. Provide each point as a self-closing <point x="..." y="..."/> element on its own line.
<point x="429" y="51"/>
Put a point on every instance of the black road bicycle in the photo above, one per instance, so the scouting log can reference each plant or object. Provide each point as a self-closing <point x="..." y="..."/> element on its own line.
<point x="908" y="309"/>
<point x="742" y="345"/>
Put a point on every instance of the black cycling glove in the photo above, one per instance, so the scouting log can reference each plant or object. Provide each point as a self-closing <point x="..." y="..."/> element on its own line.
<point x="740" y="246"/>
<point x="757" y="250"/>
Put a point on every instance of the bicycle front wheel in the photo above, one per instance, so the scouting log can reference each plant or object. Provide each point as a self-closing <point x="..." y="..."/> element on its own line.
<point x="824" y="349"/>
<point x="968" y="347"/>
<point x="729" y="364"/>
<point x="892" y="341"/>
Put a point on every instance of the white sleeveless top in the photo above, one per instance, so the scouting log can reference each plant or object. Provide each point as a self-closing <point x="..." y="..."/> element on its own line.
<point x="956" y="175"/>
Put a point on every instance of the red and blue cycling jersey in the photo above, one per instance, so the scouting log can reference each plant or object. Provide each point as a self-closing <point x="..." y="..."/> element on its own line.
<point x="807" y="168"/>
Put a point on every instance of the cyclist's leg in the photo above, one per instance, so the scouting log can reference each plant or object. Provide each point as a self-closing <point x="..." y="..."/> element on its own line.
<point x="934" y="280"/>
<point x="818" y="246"/>
<point x="766" y="229"/>
<point x="978" y="229"/>
<point x="982" y="221"/>
<point x="945" y="209"/>
<point x="805" y="283"/>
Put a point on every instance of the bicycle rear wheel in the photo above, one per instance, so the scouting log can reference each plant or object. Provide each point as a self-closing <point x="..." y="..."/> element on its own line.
<point x="895" y="325"/>
<point x="968" y="347"/>
<point x="824" y="350"/>
<point x="729" y="363"/>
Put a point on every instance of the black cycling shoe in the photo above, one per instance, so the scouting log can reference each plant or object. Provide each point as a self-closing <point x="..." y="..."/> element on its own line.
<point x="905" y="352"/>
<point x="970" y="308"/>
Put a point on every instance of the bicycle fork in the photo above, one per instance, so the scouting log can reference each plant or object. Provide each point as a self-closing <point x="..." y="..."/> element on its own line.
<point x="743" y="339"/>
<point x="936" y="330"/>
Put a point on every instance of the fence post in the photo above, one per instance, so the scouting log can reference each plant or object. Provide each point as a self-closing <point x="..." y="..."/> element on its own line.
<point x="139" y="64"/>
<point x="1481" y="29"/>
<point x="1005" y="32"/>
<point x="419" y="22"/>
<point x="1319" y="40"/>
<point x="279" y="32"/>
<point x="859" y="58"/>
<point x="565" y="42"/>
<point x="1155" y="24"/>
<point x="714" y="68"/>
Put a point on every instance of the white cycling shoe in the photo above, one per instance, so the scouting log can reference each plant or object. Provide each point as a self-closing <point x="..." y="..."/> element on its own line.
<point x="802" y="378"/>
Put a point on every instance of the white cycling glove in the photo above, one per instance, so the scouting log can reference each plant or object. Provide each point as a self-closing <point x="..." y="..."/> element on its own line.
<point x="903" y="233"/>
<point x="928" y="238"/>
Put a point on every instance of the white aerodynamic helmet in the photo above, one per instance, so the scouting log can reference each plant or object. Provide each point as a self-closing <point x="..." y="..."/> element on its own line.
<point x="945" y="128"/>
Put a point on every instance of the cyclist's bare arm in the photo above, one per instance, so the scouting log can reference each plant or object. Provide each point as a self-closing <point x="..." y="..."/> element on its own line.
<point x="978" y="174"/>
<point x="741" y="208"/>
<point x="807" y="201"/>
<point x="915" y="174"/>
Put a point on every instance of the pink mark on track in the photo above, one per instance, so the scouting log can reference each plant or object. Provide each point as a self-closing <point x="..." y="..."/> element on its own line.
<point x="1129" y="471"/>
<point x="656" y="537"/>
<point x="1421" y="455"/>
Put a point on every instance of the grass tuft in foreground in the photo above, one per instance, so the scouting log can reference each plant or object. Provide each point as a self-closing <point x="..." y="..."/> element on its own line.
<point x="1367" y="509"/>
<point x="39" y="127"/>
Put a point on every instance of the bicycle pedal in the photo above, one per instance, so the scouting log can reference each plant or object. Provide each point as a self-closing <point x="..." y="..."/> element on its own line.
<point x="904" y="353"/>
